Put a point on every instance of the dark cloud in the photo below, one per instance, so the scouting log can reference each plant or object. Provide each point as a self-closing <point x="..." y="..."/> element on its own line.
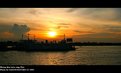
<point x="13" y="32"/>
<point x="79" y="31"/>
<point x="113" y="28"/>
<point x="19" y="29"/>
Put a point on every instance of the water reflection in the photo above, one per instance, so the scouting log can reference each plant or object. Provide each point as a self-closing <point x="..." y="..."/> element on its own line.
<point x="87" y="55"/>
<point x="50" y="58"/>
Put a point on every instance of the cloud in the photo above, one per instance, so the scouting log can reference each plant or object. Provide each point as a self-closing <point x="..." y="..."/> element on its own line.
<point x="4" y="35"/>
<point x="85" y="32"/>
<point x="99" y="27"/>
<point x="64" y="24"/>
<point x="35" y="28"/>
<point x="72" y="10"/>
<point x="98" y="13"/>
<point x="19" y="29"/>
<point x="9" y="9"/>
<point x="103" y="13"/>
<point x="60" y="27"/>
<point x="98" y="37"/>
<point x="12" y="32"/>
<point x="113" y="28"/>
<point x="9" y="12"/>
<point x="4" y="32"/>
<point x="118" y="14"/>
<point x="4" y="28"/>
<point x="34" y="12"/>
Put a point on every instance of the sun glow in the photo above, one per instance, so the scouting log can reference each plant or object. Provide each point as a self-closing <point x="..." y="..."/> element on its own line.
<point x="52" y="34"/>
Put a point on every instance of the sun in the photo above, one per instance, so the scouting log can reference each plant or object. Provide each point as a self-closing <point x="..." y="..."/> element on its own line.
<point x="52" y="34"/>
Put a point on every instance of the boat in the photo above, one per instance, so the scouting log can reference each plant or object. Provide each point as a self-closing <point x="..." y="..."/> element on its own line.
<point x="33" y="45"/>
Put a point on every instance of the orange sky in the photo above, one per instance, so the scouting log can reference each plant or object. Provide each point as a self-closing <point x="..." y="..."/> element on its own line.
<point x="82" y="24"/>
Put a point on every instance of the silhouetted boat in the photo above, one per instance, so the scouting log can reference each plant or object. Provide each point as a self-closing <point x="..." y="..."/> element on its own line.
<point x="33" y="45"/>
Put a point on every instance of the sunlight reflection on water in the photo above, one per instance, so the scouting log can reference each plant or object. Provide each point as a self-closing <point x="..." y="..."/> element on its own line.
<point x="85" y="55"/>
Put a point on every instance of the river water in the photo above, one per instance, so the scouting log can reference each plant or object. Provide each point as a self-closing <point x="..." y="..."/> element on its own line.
<point x="83" y="55"/>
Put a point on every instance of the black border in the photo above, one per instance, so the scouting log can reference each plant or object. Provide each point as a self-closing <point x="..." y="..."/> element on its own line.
<point x="70" y="68"/>
<point x="65" y="4"/>
<point x="59" y="3"/>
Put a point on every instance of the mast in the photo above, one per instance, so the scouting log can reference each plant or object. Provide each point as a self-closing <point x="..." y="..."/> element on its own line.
<point x="64" y="39"/>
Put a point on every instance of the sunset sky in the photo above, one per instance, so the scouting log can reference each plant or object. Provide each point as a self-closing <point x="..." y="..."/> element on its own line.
<point x="81" y="24"/>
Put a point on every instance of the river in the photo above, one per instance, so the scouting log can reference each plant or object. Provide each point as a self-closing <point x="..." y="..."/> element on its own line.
<point x="83" y="55"/>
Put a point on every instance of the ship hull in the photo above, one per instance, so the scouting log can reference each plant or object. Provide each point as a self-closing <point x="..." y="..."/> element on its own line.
<point x="38" y="48"/>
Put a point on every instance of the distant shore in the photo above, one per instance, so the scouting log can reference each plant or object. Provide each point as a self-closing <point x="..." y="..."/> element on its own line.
<point x="30" y="45"/>
<point x="94" y="44"/>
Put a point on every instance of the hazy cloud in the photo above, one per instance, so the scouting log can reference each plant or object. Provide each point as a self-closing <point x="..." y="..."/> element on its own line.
<point x="64" y="24"/>
<point x="98" y="37"/>
<point x="59" y="27"/>
<point x="4" y="28"/>
<point x="79" y="31"/>
<point x="19" y="29"/>
<point x="112" y="28"/>
<point x="98" y="13"/>
<point x="13" y="32"/>
<point x="5" y="33"/>
<point x="34" y="12"/>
